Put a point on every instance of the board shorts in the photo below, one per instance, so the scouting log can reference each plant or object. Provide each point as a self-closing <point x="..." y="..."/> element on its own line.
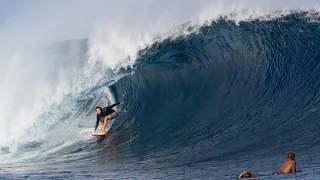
<point x="113" y="115"/>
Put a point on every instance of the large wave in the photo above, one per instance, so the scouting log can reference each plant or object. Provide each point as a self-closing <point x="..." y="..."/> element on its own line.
<point x="230" y="89"/>
<point x="224" y="91"/>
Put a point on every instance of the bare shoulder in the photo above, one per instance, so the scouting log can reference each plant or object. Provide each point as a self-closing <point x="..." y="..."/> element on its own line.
<point x="292" y="162"/>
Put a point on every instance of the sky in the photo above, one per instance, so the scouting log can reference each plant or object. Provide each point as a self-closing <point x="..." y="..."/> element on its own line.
<point x="8" y="8"/>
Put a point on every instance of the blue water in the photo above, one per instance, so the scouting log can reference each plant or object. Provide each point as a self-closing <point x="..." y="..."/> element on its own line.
<point x="228" y="98"/>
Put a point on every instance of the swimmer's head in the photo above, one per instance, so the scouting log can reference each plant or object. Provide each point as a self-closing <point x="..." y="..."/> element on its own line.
<point x="291" y="155"/>
<point x="244" y="174"/>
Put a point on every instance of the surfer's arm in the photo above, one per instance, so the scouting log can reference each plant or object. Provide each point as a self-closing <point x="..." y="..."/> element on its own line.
<point x="115" y="104"/>
<point x="293" y="167"/>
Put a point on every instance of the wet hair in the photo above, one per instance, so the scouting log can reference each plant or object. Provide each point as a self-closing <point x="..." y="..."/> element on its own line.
<point x="98" y="107"/>
<point x="290" y="155"/>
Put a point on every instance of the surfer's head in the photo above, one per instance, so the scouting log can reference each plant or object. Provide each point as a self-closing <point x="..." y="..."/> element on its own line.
<point x="291" y="155"/>
<point x="98" y="110"/>
<point x="244" y="174"/>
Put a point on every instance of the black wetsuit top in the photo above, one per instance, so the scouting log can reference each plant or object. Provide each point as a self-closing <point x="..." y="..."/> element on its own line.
<point x="105" y="112"/>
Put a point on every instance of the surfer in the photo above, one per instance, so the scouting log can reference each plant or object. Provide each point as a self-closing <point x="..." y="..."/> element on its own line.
<point x="289" y="166"/>
<point x="105" y="114"/>
<point x="246" y="174"/>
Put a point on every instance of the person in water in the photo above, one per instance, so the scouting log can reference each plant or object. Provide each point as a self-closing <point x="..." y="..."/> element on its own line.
<point x="105" y="114"/>
<point x="289" y="166"/>
<point x="246" y="174"/>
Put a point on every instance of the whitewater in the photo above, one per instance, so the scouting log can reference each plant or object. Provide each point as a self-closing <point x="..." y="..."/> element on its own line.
<point x="211" y="89"/>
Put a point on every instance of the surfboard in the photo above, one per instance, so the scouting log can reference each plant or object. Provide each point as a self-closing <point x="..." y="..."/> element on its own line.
<point x="98" y="134"/>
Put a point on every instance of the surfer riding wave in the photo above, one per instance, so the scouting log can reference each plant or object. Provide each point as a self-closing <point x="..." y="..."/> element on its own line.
<point x="105" y="114"/>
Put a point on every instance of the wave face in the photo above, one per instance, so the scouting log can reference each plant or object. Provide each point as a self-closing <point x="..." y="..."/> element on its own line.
<point x="228" y="97"/>
<point x="228" y="92"/>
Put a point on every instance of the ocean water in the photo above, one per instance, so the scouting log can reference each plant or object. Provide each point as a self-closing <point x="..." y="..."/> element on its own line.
<point x="224" y="97"/>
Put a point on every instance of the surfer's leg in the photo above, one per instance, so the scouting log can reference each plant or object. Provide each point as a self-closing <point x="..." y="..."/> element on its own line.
<point x="107" y="118"/>
<point x="105" y="124"/>
<point x="113" y="115"/>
